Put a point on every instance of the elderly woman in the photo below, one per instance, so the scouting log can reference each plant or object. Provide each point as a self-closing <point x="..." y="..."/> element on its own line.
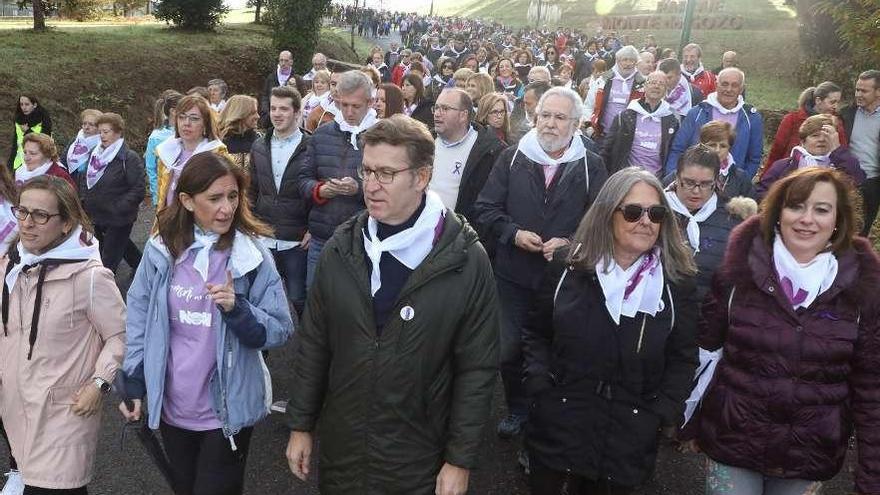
<point x="238" y="126"/>
<point x="217" y="90"/>
<point x="818" y="100"/>
<point x="62" y="342"/>
<point x="479" y="85"/>
<point x="40" y="158"/>
<point x="609" y="346"/>
<point x="204" y="304"/>
<point x="492" y="113"/>
<point x="794" y="308"/>
<point x="389" y="101"/>
<point x="77" y="155"/>
<point x="702" y="213"/>
<point x="111" y="191"/>
<point x="719" y="136"/>
<point x="196" y="131"/>
<point x="820" y="147"/>
<point x="320" y="93"/>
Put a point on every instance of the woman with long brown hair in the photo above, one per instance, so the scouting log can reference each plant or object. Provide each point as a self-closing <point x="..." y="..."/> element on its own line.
<point x="206" y="300"/>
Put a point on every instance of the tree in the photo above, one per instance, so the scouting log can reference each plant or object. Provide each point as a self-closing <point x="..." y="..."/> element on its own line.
<point x="196" y="15"/>
<point x="857" y="22"/>
<point x="297" y="27"/>
<point x="258" y="7"/>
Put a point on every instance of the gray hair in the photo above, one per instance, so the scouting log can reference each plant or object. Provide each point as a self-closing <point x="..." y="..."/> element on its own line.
<point x="628" y="52"/>
<point x="594" y="237"/>
<point x="735" y="70"/>
<point x="693" y="46"/>
<point x="352" y="81"/>
<point x="577" y="110"/>
<point x="541" y="69"/>
<point x="220" y="83"/>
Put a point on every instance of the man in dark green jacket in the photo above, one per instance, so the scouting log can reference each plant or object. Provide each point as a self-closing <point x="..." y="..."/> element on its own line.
<point x="397" y="355"/>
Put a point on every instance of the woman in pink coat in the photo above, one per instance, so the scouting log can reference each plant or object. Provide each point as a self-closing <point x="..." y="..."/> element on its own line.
<point x="63" y="340"/>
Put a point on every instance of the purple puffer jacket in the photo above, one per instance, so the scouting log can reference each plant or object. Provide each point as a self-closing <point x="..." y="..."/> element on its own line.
<point x="841" y="159"/>
<point x="792" y="385"/>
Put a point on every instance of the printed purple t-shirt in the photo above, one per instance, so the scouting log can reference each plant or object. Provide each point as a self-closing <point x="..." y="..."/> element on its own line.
<point x="192" y="353"/>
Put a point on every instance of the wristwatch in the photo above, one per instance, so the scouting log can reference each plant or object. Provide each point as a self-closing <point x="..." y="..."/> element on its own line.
<point x="103" y="385"/>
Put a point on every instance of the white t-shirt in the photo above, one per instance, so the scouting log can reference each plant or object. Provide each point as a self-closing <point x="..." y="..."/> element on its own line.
<point x="450" y="160"/>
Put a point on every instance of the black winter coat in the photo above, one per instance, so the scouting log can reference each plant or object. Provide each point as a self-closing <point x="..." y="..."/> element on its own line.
<point x="329" y="155"/>
<point x="619" y="140"/>
<point x="424" y="114"/>
<point x="284" y="209"/>
<point x="115" y="199"/>
<point x="391" y="408"/>
<point x="599" y="391"/>
<point x="515" y="198"/>
<point x="476" y="171"/>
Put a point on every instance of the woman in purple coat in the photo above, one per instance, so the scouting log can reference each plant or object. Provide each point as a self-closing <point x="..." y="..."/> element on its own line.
<point x="820" y="147"/>
<point x="794" y="311"/>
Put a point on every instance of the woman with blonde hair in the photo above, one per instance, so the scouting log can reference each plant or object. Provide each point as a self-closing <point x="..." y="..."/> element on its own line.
<point x="40" y="158"/>
<point x="238" y="126"/>
<point x="492" y="113"/>
<point x="320" y="93"/>
<point x="196" y="131"/>
<point x="478" y="85"/>
<point x="77" y="155"/>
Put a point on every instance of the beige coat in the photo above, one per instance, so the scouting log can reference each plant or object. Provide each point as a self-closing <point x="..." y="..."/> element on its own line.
<point x="81" y="335"/>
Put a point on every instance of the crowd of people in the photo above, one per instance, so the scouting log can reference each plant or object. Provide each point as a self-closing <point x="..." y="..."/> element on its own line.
<point x="593" y="222"/>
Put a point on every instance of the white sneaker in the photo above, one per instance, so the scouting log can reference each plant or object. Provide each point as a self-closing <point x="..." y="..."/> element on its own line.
<point x="14" y="484"/>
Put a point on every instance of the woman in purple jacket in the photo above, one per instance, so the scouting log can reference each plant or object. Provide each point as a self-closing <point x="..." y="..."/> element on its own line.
<point x="820" y="147"/>
<point x="794" y="310"/>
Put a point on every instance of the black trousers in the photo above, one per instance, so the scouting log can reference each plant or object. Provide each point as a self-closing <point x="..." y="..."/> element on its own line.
<point x="545" y="481"/>
<point x="203" y="462"/>
<point x="12" y="463"/>
<point x="871" y="196"/>
<point x="116" y="245"/>
<point x="33" y="490"/>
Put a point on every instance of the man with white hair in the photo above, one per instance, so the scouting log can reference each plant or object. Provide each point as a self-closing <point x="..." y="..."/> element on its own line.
<point x="728" y="59"/>
<point x="319" y="62"/>
<point x="693" y="70"/>
<point x="532" y="203"/>
<point x="645" y="65"/>
<point x="328" y="178"/>
<point x="726" y="105"/>
<point x="623" y="83"/>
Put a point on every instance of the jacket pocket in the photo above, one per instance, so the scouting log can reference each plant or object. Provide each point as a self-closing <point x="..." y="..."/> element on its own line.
<point x="63" y="395"/>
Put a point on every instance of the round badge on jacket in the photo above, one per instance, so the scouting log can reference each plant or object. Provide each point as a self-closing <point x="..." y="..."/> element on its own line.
<point x="407" y="313"/>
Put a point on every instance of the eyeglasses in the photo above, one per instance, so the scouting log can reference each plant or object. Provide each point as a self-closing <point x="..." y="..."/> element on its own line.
<point x="559" y="117"/>
<point x="39" y="217"/>
<point x="444" y="109"/>
<point x="498" y="113"/>
<point x="382" y="176"/>
<point x="634" y="213"/>
<point x="192" y="119"/>
<point x="693" y="185"/>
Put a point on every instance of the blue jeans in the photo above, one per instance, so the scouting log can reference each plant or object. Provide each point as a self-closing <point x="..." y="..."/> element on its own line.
<point x="722" y="479"/>
<point x="291" y="265"/>
<point x="315" y="247"/>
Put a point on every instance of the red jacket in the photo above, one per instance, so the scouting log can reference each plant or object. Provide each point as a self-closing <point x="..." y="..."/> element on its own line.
<point x="787" y="136"/>
<point x="58" y="171"/>
<point x="397" y="74"/>
<point x="705" y="82"/>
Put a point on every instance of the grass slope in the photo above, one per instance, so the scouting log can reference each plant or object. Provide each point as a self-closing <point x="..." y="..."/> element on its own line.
<point x="123" y="68"/>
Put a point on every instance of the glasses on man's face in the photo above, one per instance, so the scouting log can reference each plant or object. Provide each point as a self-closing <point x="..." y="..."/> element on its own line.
<point x="191" y="118"/>
<point x="444" y="109"/>
<point x="39" y="217"/>
<point x="693" y="185"/>
<point x="382" y="175"/>
<point x="634" y="213"/>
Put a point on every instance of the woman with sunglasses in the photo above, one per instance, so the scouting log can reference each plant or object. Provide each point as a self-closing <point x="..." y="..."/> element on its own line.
<point x="609" y="346"/>
<point x="793" y="315"/>
<point x="442" y="79"/>
<point x="551" y="60"/>
<point x="63" y="340"/>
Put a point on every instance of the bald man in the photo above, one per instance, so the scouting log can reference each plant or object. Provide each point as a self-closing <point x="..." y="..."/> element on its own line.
<point x="278" y="77"/>
<point x="728" y="59"/>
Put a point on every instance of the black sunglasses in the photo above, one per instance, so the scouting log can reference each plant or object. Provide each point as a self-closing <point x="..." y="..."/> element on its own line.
<point x="634" y="213"/>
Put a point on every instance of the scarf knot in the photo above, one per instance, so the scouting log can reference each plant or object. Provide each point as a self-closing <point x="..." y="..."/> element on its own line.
<point x="354" y="130"/>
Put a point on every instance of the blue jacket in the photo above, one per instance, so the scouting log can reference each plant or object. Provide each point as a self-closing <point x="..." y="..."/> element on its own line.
<point x="150" y="159"/>
<point x="241" y="387"/>
<point x="746" y="150"/>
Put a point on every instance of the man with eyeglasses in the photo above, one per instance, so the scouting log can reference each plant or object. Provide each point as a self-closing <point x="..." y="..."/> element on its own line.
<point x="464" y="152"/>
<point x="533" y="201"/>
<point x="328" y="176"/>
<point x="319" y="62"/>
<point x="278" y="77"/>
<point x="397" y="354"/>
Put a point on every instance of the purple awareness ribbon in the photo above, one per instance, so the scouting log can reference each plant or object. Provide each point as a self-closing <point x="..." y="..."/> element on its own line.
<point x="649" y="264"/>
<point x="788" y="289"/>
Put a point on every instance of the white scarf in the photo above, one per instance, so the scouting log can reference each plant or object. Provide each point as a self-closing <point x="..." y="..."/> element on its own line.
<point x="803" y="282"/>
<point x="203" y="241"/>
<point x="691" y="75"/>
<point x="22" y="174"/>
<point x="646" y="278"/>
<point x="219" y="106"/>
<point x="313" y="101"/>
<point x="680" y="97"/>
<point x="329" y="106"/>
<point x="367" y="122"/>
<point x="71" y="249"/>
<point x="78" y="153"/>
<point x="410" y="246"/>
<point x="282" y="79"/>
<point x="693" y="226"/>
<point x="807" y="159"/>
<point x="530" y="147"/>
<point x="170" y="149"/>
<point x="712" y="99"/>
<point x="100" y="159"/>
<point x="663" y="110"/>
<point x="726" y="164"/>
<point x="618" y="76"/>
